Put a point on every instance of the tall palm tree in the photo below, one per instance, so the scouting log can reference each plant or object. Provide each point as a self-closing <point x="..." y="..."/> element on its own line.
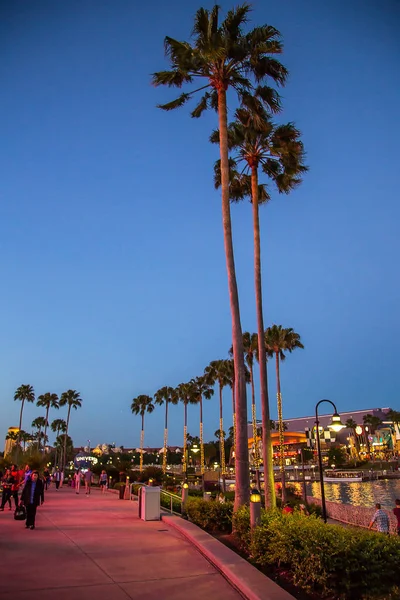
<point x="218" y="372"/>
<point x="72" y="399"/>
<point x="25" y="438"/>
<point x="38" y="424"/>
<point x="256" y="143"/>
<point x="48" y="401"/>
<point x="352" y="424"/>
<point x="202" y="389"/>
<point x="226" y="57"/>
<point x="58" y="426"/>
<point x="166" y="395"/>
<point x="279" y="340"/>
<point x="25" y="393"/>
<point x="140" y="406"/>
<point x="185" y="392"/>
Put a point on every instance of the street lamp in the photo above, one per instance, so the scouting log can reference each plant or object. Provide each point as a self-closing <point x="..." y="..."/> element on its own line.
<point x="336" y="425"/>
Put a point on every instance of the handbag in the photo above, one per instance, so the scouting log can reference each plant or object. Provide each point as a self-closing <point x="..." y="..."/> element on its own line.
<point x="20" y="513"/>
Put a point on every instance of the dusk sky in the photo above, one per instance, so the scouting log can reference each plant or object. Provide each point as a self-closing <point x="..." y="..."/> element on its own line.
<point x="112" y="264"/>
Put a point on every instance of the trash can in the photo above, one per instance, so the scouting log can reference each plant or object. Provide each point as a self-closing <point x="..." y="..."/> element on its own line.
<point x="121" y="492"/>
<point x="149" y="503"/>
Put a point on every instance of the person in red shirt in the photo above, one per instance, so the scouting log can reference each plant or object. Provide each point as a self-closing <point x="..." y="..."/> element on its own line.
<point x="287" y="510"/>
<point x="396" y="512"/>
<point x="15" y="485"/>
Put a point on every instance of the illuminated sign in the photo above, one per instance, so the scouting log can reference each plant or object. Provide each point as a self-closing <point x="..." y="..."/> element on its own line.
<point x="83" y="460"/>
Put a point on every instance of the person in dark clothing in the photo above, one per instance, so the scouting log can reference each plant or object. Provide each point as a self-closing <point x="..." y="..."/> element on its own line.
<point x="16" y="484"/>
<point x="32" y="497"/>
<point x="7" y="482"/>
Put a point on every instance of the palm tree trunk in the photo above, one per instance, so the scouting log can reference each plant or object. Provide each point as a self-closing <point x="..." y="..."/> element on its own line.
<point x="39" y="430"/>
<point x="164" y="460"/>
<point x="269" y="481"/>
<point x="65" y="439"/>
<point x="46" y="425"/>
<point x="56" y="449"/>
<point x="254" y="426"/>
<point x="281" y="430"/>
<point x="202" y="469"/>
<point x="141" y="446"/>
<point x="184" y="458"/>
<point x="242" y="492"/>
<point x="20" y="423"/>
<point x="221" y="439"/>
<point x="234" y="419"/>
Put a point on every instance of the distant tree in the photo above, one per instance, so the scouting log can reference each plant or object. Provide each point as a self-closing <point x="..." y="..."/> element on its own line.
<point x="25" y="393"/>
<point x="337" y="457"/>
<point x="140" y="406"/>
<point x="48" y="401"/>
<point x="72" y="399"/>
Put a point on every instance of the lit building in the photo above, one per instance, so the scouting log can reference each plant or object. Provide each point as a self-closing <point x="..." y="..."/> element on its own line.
<point x="10" y="443"/>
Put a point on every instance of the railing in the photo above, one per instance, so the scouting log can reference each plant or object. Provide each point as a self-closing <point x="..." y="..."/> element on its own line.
<point x="171" y="498"/>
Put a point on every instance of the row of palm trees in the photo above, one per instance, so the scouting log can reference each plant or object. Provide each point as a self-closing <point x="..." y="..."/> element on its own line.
<point x="277" y="342"/>
<point x="224" y="58"/>
<point x="71" y="399"/>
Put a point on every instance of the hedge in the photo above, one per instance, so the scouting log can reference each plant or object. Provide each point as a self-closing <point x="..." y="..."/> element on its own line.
<point x="329" y="560"/>
<point x="210" y="515"/>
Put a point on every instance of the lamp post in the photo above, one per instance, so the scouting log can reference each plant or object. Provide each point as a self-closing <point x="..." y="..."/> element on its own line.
<point x="255" y="508"/>
<point x="335" y="425"/>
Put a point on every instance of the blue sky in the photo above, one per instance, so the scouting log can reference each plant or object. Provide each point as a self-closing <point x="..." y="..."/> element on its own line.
<point x="112" y="265"/>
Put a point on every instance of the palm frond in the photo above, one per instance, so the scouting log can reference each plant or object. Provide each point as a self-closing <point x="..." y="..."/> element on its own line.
<point x="177" y="103"/>
<point x="269" y="97"/>
<point x="174" y="78"/>
<point x="201" y="107"/>
<point x="266" y="66"/>
<point x="235" y="18"/>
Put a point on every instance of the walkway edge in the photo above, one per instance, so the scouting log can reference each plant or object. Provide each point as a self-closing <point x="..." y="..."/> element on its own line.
<point x="250" y="582"/>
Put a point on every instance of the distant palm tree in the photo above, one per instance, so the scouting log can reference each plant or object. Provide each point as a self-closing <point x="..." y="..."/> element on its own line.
<point x="58" y="426"/>
<point x="202" y="389"/>
<point x="394" y="416"/>
<point x="48" y="401"/>
<point x="372" y="423"/>
<point x="72" y="399"/>
<point x="227" y="58"/>
<point x="218" y="372"/>
<point x="279" y="340"/>
<point x="38" y="424"/>
<point x="352" y="424"/>
<point x="25" y="393"/>
<point x="25" y="438"/>
<point x="166" y="395"/>
<point x="140" y="406"/>
<point x="186" y="395"/>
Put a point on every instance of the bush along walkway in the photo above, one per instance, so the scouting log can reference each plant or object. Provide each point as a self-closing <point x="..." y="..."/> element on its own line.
<point x="325" y="561"/>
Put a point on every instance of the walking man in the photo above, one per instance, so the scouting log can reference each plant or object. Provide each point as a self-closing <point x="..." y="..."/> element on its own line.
<point x="32" y="497"/>
<point x="381" y="519"/>
<point x="57" y="478"/>
<point x="77" y="481"/>
<point x="88" y="481"/>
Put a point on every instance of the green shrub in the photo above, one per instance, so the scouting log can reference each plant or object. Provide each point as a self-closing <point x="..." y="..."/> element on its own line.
<point x="210" y="515"/>
<point x="329" y="560"/>
<point x="119" y="484"/>
<point x="165" y="501"/>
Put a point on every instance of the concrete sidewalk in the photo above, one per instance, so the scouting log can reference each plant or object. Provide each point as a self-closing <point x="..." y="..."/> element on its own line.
<point x="96" y="547"/>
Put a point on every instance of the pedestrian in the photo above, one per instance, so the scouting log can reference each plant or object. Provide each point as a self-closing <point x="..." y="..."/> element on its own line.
<point x="46" y="478"/>
<point x="381" y="519"/>
<point x="221" y="498"/>
<point x="32" y="497"/>
<point x="16" y="484"/>
<point x="7" y="480"/>
<point x="103" y="481"/>
<point x="88" y="481"/>
<point x="287" y="509"/>
<point x="396" y="512"/>
<point x="77" y="481"/>
<point x="57" y="478"/>
<point x="27" y="474"/>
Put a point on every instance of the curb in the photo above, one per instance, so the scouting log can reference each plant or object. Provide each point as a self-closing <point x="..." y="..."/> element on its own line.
<point x="250" y="582"/>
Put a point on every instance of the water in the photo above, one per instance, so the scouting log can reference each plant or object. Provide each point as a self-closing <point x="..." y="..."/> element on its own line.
<point x="366" y="493"/>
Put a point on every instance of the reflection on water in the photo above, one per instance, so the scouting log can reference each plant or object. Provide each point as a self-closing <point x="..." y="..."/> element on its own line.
<point x="365" y="493"/>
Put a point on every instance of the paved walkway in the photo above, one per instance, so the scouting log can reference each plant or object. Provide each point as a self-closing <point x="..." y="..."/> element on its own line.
<point x="86" y="548"/>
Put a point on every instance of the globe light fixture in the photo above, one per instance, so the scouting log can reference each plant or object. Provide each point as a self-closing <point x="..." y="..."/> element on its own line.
<point x="336" y="424"/>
